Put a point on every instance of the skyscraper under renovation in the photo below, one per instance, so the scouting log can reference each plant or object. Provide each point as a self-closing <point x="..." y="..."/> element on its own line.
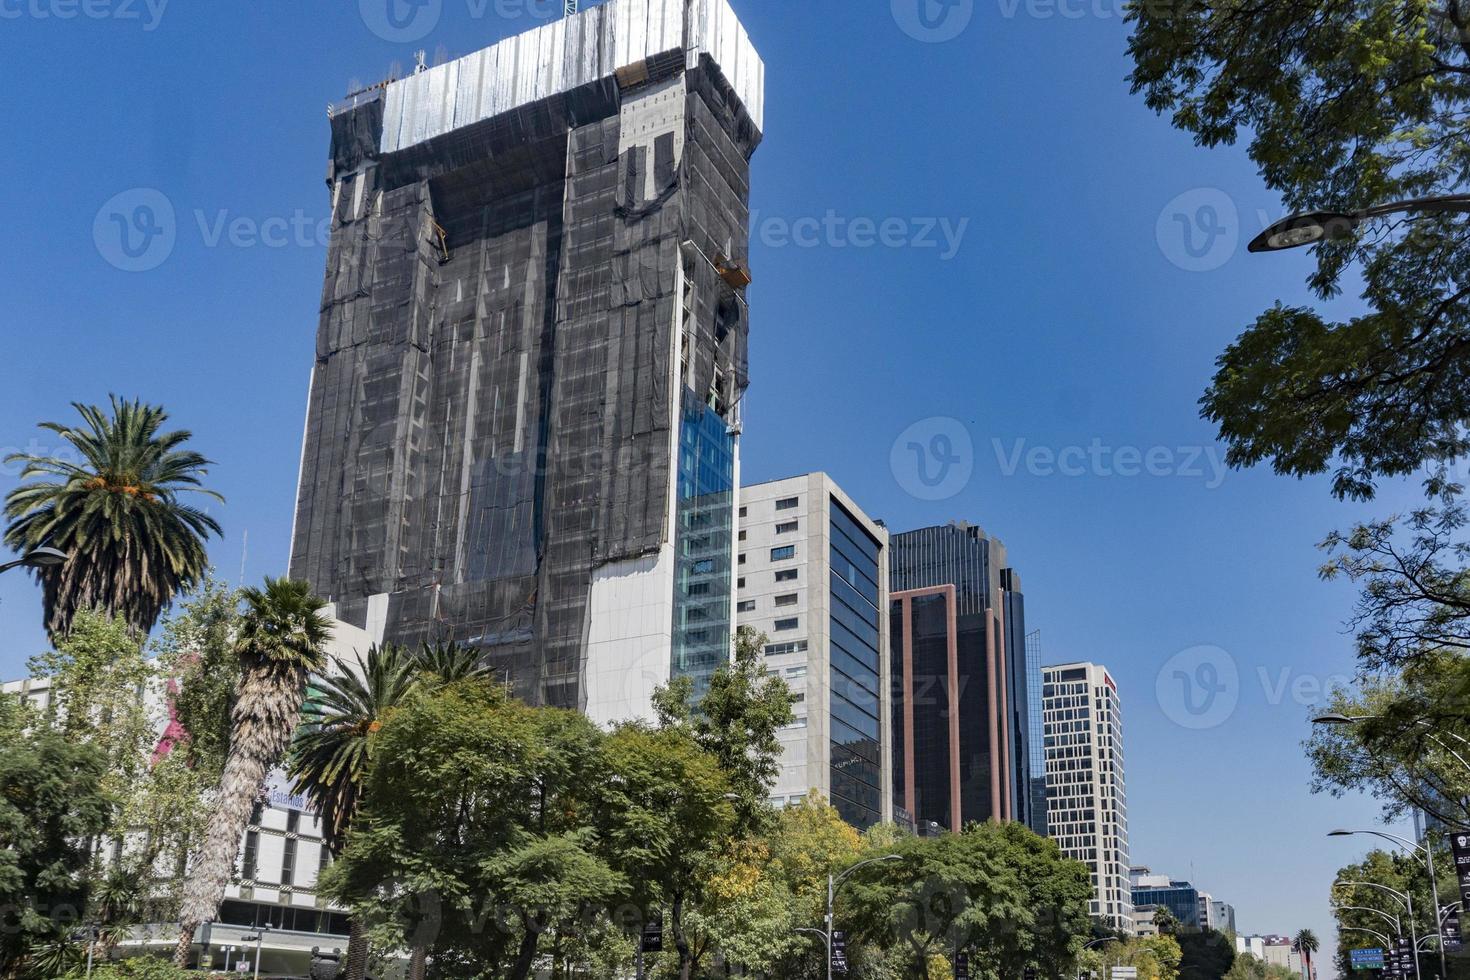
<point x="523" y="430"/>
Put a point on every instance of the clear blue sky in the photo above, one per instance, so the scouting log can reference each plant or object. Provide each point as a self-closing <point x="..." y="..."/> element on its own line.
<point x="1074" y="313"/>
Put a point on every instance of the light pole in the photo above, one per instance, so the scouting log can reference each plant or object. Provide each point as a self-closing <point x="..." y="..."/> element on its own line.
<point x="834" y="883"/>
<point x="1433" y="733"/>
<point x="1424" y="853"/>
<point x="1408" y="900"/>
<point x="1314" y="226"/>
<point x="1372" y="932"/>
<point x="1097" y="942"/>
<point x="1398" y="924"/>
<point x="39" y="558"/>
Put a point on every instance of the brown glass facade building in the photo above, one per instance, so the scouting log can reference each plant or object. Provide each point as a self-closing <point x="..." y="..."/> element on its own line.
<point x="962" y="721"/>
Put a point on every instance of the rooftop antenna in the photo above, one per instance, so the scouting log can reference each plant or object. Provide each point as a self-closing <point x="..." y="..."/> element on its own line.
<point x="421" y="62"/>
<point x="571" y="7"/>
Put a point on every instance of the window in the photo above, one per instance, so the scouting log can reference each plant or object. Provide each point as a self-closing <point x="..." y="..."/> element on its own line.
<point x="795" y="672"/>
<point x="782" y="649"/>
<point x="740" y="583"/>
<point x="785" y="553"/>
<point x="288" y="863"/>
<point x="786" y="625"/>
<point x="786" y="600"/>
<point x="744" y="535"/>
<point x="788" y="528"/>
<point x="746" y="606"/>
<point x="742" y="559"/>
<point x="742" y="511"/>
<point x="251" y="855"/>
<point x="790" y="503"/>
<point x="787" y="575"/>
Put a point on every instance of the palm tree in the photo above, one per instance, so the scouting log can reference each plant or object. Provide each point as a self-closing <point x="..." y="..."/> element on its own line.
<point x="450" y="662"/>
<point x="118" y="513"/>
<point x="281" y="641"/>
<point x="1306" y="945"/>
<point x="329" y="757"/>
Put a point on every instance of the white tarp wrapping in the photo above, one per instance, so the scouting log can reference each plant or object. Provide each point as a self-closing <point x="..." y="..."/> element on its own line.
<point x="564" y="55"/>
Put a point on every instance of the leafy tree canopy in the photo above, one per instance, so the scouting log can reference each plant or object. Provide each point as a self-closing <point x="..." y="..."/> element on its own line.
<point x="1346" y="105"/>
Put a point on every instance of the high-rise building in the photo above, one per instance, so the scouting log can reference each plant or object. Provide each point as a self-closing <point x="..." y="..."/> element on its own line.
<point x="524" y="420"/>
<point x="1087" y="802"/>
<point x="962" y="727"/>
<point x="813" y="578"/>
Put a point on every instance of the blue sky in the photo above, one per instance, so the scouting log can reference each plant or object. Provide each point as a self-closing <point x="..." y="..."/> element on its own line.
<point x="1060" y="270"/>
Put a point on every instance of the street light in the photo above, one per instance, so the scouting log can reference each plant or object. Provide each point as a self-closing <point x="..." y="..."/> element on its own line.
<point x="834" y="883"/>
<point x="1425" y="854"/>
<point x="1097" y="942"/>
<point x="1398" y="924"/>
<point x="1314" y="226"/>
<point x="1404" y="897"/>
<point x="1434" y="733"/>
<point x="39" y="558"/>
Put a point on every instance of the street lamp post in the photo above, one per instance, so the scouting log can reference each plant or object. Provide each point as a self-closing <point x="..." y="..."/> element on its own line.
<point x="1408" y="900"/>
<point x="1314" y="226"/>
<point x="38" y="558"/>
<point x="1424" y="853"/>
<point x="1372" y="932"/>
<point x="1433" y="733"/>
<point x="833" y="884"/>
<point x="1398" y="924"/>
<point x="1098" y="942"/>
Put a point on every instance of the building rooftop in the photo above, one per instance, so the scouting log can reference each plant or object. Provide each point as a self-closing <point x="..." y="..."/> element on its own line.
<point x="614" y="39"/>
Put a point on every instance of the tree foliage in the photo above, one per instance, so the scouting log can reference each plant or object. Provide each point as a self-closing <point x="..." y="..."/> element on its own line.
<point x="1347" y="105"/>
<point x="119" y="514"/>
<point x="53" y="802"/>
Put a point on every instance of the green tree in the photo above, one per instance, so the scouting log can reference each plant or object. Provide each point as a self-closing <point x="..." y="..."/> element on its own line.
<point x="737" y="720"/>
<point x="281" y="641"/>
<point x="1165" y="921"/>
<point x="473" y="838"/>
<point x="328" y="761"/>
<point x="52" y="803"/>
<point x="119" y="513"/>
<point x="666" y="823"/>
<point x="1347" y="105"/>
<point x="999" y="892"/>
<point x="1405" y="753"/>
<point x="1207" y="954"/>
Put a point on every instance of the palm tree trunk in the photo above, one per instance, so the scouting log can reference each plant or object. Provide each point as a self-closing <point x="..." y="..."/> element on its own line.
<point x="265" y="714"/>
<point x="418" y="963"/>
<point x="357" y="951"/>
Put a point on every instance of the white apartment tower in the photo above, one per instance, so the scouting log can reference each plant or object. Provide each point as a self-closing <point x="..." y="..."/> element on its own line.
<point x="812" y="576"/>
<point x="1087" y="803"/>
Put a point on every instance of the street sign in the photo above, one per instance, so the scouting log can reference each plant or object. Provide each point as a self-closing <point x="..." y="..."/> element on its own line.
<point x="962" y="966"/>
<point x="1460" y="846"/>
<point x="653" y="935"/>
<point x="1454" y="939"/>
<point x="1125" y="973"/>
<point x="1408" y="962"/>
<point x="839" y="952"/>
<point x="1368" y="959"/>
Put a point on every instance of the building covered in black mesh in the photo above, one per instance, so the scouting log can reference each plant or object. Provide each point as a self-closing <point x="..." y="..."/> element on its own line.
<point x="525" y="409"/>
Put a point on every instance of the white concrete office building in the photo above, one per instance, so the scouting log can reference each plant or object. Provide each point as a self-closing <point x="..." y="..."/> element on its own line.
<point x="812" y="575"/>
<point x="1087" y="803"/>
